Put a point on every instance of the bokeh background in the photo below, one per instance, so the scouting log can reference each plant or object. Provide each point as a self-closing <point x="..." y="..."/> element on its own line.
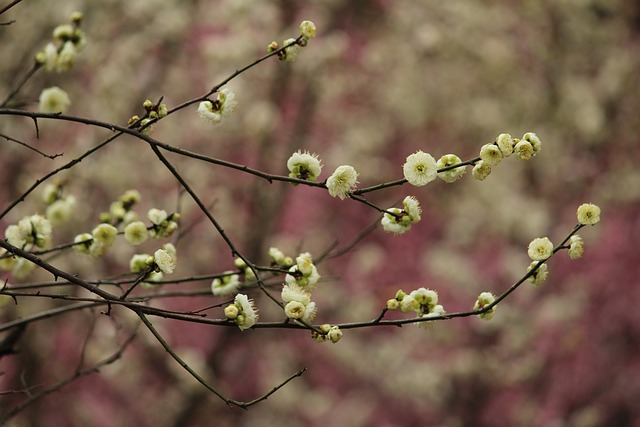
<point x="383" y="79"/>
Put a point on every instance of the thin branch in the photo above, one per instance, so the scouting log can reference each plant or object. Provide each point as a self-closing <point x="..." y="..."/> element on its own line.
<point x="24" y="144"/>
<point x="57" y="386"/>
<point x="198" y="377"/>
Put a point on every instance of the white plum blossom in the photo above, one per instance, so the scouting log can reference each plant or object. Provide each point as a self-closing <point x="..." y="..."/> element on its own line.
<point x="588" y="214"/>
<point x="420" y="168"/>
<point x="54" y="100"/>
<point x="342" y="181"/>
<point x="303" y="165"/>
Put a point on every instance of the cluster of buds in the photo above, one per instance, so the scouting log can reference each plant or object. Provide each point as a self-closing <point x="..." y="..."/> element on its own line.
<point x="329" y="333"/>
<point x="68" y="40"/>
<point x="307" y="31"/>
<point x="60" y="207"/>
<point x="242" y="312"/>
<point x="422" y="301"/>
<point x="504" y="146"/>
<point x="154" y="112"/>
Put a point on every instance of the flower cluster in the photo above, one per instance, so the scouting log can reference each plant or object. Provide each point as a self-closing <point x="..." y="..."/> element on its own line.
<point x="303" y="165"/>
<point x="328" y="333"/>
<point x="298" y="304"/>
<point x="504" y="146"/>
<point x="291" y="46"/>
<point x="243" y="312"/>
<point x="422" y="301"/>
<point x="120" y="211"/>
<point x="31" y="230"/>
<point x="163" y="261"/>
<point x="485" y="299"/>
<point x="68" y="40"/>
<point x="223" y="106"/>
<point x="304" y="273"/>
<point x="163" y="224"/>
<point x="60" y="207"/>
<point x="227" y="284"/>
<point x="398" y="221"/>
<point x="278" y="258"/>
<point x="154" y="112"/>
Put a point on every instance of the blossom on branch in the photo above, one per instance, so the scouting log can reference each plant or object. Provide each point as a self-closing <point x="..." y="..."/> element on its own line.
<point x="54" y="100"/>
<point x="223" y="106"/>
<point x="450" y="175"/>
<point x="342" y="181"/>
<point x="540" y="249"/>
<point x="420" y="168"/>
<point x="303" y="165"/>
<point x="485" y="299"/>
<point x="588" y="214"/>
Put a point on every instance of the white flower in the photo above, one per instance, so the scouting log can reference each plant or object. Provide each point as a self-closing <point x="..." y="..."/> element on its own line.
<point x="394" y="224"/>
<point x="505" y="144"/>
<point x="342" y="181"/>
<point x="226" y="285"/>
<point x="228" y="103"/>
<point x="139" y="263"/>
<point x="481" y="170"/>
<point x="105" y="234"/>
<point x="334" y="334"/>
<point x="523" y="150"/>
<point x="276" y="255"/>
<point x="206" y="112"/>
<point x="309" y="312"/>
<point x="450" y="175"/>
<point x="491" y="154"/>
<point x="293" y="292"/>
<point x="409" y="303"/>
<point x="576" y="247"/>
<point x="308" y="29"/>
<point x="14" y="236"/>
<point x="412" y="208"/>
<point x="533" y="139"/>
<point x="304" y="166"/>
<point x="540" y="249"/>
<point x="34" y="229"/>
<point x="540" y="274"/>
<point x="224" y="105"/>
<point x="66" y="57"/>
<point x="136" y="233"/>
<point x="425" y="297"/>
<point x="83" y="243"/>
<point x="54" y="100"/>
<point x="165" y="260"/>
<point x="51" y="56"/>
<point x="61" y="210"/>
<point x="420" y="168"/>
<point x="294" y="309"/>
<point x="290" y="53"/>
<point x="248" y="315"/>
<point x="305" y="263"/>
<point x="588" y="214"/>
<point x="157" y="216"/>
<point x="485" y="299"/>
<point x="296" y="277"/>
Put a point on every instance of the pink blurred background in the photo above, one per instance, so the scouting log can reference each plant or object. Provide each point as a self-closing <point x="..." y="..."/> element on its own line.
<point x="381" y="80"/>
